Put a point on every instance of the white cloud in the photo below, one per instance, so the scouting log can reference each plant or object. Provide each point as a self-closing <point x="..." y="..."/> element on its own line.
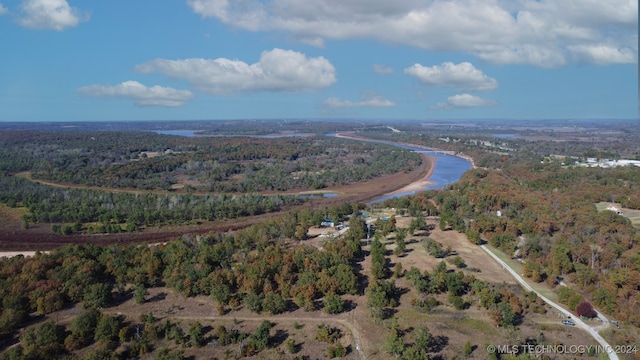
<point x="277" y="70"/>
<point x="50" y="14"/>
<point x="538" y="32"/>
<point x="463" y="76"/>
<point x="368" y="101"/>
<point x="603" y="54"/>
<point x="381" y="69"/>
<point x="463" y="101"/>
<point x="3" y="10"/>
<point x="141" y="94"/>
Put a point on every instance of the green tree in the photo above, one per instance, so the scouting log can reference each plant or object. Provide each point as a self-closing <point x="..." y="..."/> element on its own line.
<point x="376" y="300"/>
<point x="254" y="302"/>
<point x="166" y="354"/>
<point x="393" y="343"/>
<point x="422" y="337"/>
<point x="333" y="304"/>
<point x="273" y="303"/>
<point x="378" y="259"/>
<point x="401" y="246"/>
<point x="141" y="293"/>
<point x="196" y="334"/>
<point x="97" y="295"/>
<point x="42" y="342"/>
<point x="468" y="349"/>
<point x="101" y="353"/>
<point x="259" y="340"/>
<point x="83" y="327"/>
<point x="107" y="328"/>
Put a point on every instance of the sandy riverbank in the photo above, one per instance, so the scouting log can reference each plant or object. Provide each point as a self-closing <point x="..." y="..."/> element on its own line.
<point x="421" y="184"/>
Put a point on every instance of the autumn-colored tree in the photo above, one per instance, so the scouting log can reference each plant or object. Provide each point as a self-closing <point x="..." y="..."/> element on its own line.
<point x="586" y="309"/>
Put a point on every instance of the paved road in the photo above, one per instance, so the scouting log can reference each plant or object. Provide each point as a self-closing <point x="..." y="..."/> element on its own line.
<point x="579" y="323"/>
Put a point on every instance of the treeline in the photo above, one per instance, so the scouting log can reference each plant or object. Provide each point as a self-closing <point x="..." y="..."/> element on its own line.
<point x="207" y="164"/>
<point x="47" y="204"/>
<point x="491" y="152"/>
<point x="252" y="268"/>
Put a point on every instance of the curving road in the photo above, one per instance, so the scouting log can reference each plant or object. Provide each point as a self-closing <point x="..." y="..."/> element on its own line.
<point x="579" y="323"/>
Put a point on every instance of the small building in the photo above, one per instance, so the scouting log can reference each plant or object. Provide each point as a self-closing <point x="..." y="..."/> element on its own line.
<point x="327" y="223"/>
<point x="614" y="209"/>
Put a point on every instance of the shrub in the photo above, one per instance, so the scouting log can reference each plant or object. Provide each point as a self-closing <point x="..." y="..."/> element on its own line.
<point x="333" y="304"/>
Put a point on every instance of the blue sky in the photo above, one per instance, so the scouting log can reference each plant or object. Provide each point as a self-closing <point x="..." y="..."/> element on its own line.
<point x="96" y="60"/>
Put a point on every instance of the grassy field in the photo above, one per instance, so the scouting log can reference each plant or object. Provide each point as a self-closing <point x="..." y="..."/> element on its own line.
<point x="631" y="214"/>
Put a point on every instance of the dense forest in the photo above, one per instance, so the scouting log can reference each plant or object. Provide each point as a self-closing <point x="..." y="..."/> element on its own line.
<point x="149" y="161"/>
<point x="94" y="211"/>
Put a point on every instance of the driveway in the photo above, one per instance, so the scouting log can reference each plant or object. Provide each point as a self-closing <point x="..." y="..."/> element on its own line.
<point x="579" y="323"/>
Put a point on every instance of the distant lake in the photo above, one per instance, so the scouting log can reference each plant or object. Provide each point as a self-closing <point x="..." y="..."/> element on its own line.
<point x="194" y="133"/>
<point x="506" y="136"/>
<point x="187" y="133"/>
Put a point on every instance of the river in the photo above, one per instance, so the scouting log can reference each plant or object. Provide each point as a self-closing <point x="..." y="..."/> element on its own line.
<point x="447" y="168"/>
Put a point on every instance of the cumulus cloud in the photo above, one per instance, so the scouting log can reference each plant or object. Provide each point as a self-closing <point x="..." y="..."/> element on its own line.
<point x="463" y="101"/>
<point x="3" y="10"/>
<point x="368" y="101"/>
<point x="381" y="69"/>
<point x="140" y="94"/>
<point x="50" y="15"/>
<point x="543" y="33"/>
<point x="277" y="70"/>
<point x="463" y="76"/>
<point x="603" y="54"/>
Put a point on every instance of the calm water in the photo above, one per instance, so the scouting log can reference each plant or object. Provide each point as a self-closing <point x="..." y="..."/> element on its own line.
<point x="507" y="136"/>
<point x="187" y="133"/>
<point x="448" y="169"/>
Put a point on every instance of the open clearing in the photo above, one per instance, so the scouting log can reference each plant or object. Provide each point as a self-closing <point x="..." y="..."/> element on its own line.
<point x="631" y="214"/>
